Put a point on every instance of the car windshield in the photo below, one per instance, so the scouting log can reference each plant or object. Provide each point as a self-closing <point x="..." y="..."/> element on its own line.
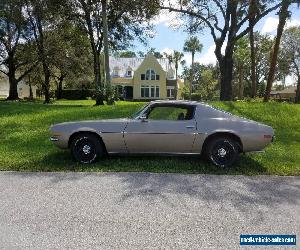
<point x="137" y="114"/>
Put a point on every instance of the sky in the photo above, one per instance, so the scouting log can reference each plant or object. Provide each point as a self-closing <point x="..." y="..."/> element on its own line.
<point x="168" y="38"/>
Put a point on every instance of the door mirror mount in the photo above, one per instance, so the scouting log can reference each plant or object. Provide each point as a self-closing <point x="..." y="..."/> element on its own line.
<point x="143" y="118"/>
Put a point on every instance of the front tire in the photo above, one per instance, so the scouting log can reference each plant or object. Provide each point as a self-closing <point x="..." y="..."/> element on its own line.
<point x="222" y="151"/>
<point x="86" y="148"/>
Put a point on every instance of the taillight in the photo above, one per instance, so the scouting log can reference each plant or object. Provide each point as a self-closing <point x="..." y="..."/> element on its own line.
<point x="267" y="136"/>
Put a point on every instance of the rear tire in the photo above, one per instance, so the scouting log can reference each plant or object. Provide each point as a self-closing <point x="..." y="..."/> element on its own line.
<point x="86" y="148"/>
<point x="222" y="151"/>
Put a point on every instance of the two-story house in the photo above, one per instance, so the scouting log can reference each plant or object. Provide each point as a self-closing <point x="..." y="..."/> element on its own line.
<point x="144" y="78"/>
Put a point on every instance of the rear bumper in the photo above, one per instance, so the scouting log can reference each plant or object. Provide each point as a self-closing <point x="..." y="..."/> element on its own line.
<point x="273" y="138"/>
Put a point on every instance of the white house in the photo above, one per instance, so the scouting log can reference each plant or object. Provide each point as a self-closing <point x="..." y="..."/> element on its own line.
<point x="23" y="89"/>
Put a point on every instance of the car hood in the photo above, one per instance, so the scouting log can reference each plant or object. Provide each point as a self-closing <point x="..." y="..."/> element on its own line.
<point x="94" y="121"/>
<point x="109" y="125"/>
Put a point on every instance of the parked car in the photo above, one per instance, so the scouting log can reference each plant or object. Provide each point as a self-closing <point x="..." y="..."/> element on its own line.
<point x="165" y="127"/>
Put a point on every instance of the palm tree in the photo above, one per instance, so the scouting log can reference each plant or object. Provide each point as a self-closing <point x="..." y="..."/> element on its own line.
<point x="177" y="58"/>
<point x="192" y="45"/>
<point x="169" y="57"/>
<point x="104" y="4"/>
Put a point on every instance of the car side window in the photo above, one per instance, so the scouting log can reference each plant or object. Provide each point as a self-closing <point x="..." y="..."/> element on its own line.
<point x="171" y="113"/>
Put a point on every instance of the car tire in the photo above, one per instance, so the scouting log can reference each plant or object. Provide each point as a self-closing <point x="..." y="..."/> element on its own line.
<point x="86" y="148"/>
<point x="222" y="151"/>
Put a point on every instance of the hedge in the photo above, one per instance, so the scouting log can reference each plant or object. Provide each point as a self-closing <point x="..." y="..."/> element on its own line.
<point x="77" y="94"/>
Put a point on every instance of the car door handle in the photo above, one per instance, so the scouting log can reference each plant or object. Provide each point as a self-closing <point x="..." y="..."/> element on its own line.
<point x="190" y="126"/>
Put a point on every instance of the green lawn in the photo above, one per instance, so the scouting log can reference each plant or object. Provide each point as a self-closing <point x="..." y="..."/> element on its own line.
<point x="25" y="145"/>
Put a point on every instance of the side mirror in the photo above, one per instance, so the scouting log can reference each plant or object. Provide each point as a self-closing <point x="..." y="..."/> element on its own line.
<point x="143" y="118"/>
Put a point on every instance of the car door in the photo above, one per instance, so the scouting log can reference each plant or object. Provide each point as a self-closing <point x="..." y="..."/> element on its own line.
<point x="161" y="131"/>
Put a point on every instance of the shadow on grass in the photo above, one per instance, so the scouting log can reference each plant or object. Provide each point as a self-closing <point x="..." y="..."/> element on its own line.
<point x="62" y="161"/>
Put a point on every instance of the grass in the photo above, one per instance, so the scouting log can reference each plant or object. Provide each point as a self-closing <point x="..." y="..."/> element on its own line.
<point x="25" y="145"/>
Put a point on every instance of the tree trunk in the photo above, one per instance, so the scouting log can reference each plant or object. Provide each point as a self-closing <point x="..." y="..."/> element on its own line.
<point x="13" y="83"/>
<point x="253" y="74"/>
<point x="46" y="84"/>
<point x="176" y="86"/>
<point x="38" y="32"/>
<point x="30" y="89"/>
<point x="192" y="76"/>
<point x="96" y="49"/>
<point x="97" y="80"/>
<point x="109" y="94"/>
<point x="60" y="87"/>
<point x="297" y="99"/>
<point x="283" y="15"/>
<point x="226" y="69"/>
<point x="252" y="12"/>
<point x="241" y="85"/>
<point x="13" y="89"/>
<point x="105" y="40"/>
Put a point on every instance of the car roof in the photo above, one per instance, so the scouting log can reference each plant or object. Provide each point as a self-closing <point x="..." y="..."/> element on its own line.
<point x="177" y="102"/>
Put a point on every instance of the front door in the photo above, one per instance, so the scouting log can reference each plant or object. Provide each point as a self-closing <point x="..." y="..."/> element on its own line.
<point x="128" y="93"/>
<point x="164" y="129"/>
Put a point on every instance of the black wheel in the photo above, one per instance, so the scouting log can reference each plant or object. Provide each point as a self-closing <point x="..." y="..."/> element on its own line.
<point x="222" y="151"/>
<point x="86" y="148"/>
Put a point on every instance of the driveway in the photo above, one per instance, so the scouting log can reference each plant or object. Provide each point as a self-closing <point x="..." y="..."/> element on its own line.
<point x="143" y="211"/>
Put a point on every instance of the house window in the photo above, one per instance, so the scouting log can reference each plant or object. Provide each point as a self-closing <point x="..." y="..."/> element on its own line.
<point x="144" y="91"/>
<point x="152" y="91"/>
<point x="150" y="74"/>
<point x="129" y="73"/>
<point x="149" y="91"/>
<point x="170" y="91"/>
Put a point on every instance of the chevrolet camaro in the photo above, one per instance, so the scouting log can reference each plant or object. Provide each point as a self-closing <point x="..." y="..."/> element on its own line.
<point x="168" y="128"/>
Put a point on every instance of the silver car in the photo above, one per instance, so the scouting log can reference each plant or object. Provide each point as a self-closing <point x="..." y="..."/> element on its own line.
<point x="165" y="127"/>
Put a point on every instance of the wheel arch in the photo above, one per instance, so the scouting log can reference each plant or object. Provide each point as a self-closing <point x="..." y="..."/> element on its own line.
<point x="72" y="136"/>
<point x="220" y="134"/>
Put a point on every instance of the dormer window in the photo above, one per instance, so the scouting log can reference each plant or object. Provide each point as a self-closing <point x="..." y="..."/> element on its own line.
<point x="128" y="72"/>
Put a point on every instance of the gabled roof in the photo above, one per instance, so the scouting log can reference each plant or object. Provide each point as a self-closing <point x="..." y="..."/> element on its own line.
<point x="122" y="64"/>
